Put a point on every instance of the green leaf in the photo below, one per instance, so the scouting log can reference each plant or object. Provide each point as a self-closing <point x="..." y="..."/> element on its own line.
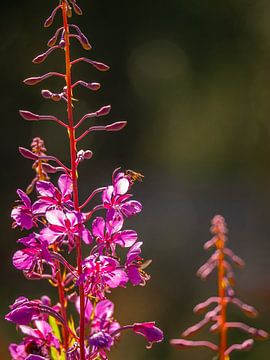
<point x="56" y="331"/>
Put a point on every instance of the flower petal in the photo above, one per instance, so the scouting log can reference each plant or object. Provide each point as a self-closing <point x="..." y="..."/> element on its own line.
<point x="98" y="227"/>
<point x="126" y="238"/>
<point x="131" y="207"/>
<point x="25" y="198"/>
<point x="121" y="186"/>
<point x="45" y="188"/>
<point x="104" y="309"/>
<point x="149" y="331"/>
<point x="56" y="217"/>
<point x="65" y="185"/>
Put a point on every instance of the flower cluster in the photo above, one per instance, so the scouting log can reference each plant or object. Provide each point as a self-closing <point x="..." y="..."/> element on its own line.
<point x="58" y="226"/>
<point x="220" y="260"/>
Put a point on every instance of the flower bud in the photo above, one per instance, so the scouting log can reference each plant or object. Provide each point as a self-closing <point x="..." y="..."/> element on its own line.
<point x="27" y="115"/>
<point x="85" y="43"/>
<point x="47" y="94"/>
<point x="77" y="9"/>
<point x="93" y="86"/>
<point x="33" y="80"/>
<point x="104" y="110"/>
<point x="100" y="66"/>
<point x="117" y="126"/>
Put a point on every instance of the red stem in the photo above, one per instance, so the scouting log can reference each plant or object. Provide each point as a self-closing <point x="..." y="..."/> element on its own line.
<point x="73" y="153"/>
<point x="222" y="295"/>
<point x="62" y="299"/>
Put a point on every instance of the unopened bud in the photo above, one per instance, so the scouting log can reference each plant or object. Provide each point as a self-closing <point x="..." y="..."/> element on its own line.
<point x="52" y="41"/>
<point x="88" y="154"/>
<point x="117" y="126"/>
<point x="84" y="155"/>
<point x="100" y="66"/>
<point x="27" y="115"/>
<point x="48" y="22"/>
<point x="42" y="57"/>
<point x="77" y="9"/>
<point x="33" y="80"/>
<point x="85" y="43"/>
<point x="93" y="86"/>
<point x="47" y="94"/>
<point x="104" y="110"/>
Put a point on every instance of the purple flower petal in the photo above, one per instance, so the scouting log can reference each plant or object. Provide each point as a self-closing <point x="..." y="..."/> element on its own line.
<point x="117" y="278"/>
<point x="40" y="206"/>
<point x="50" y="236"/>
<point x="107" y="195"/>
<point x="23" y="259"/>
<point x="17" y="352"/>
<point x="98" y="227"/>
<point x="88" y="307"/>
<point x="121" y="186"/>
<point x="45" y="188"/>
<point x="65" y="185"/>
<point x="126" y="238"/>
<point x="22" y="217"/>
<point x="134" y="252"/>
<point x="134" y="275"/>
<point x="104" y="309"/>
<point x="56" y="217"/>
<point x="25" y="198"/>
<point x="114" y="221"/>
<point x="86" y="236"/>
<point x="27" y="330"/>
<point x="131" y="207"/>
<point x="21" y="315"/>
<point x="28" y="240"/>
<point x="101" y="340"/>
<point x="149" y="331"/>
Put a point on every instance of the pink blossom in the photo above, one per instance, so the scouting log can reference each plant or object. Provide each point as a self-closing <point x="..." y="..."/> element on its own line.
<point x="22" y="214"/>
<point x="65" y="226"/>
<point x="115" y="197"/>
<point x="50" y="196"/>
<point x="101" y="273"/>
<point x="108" y="233"/>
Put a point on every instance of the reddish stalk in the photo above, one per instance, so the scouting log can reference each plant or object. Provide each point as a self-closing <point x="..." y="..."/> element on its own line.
<point x="72" y="143"/>
<point x="222" y="295"/>
<point x="62" y="299"/>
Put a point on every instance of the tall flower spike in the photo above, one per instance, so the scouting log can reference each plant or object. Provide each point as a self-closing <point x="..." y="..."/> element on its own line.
<point x="57" y="225"/>
<point x="217" y="316"/>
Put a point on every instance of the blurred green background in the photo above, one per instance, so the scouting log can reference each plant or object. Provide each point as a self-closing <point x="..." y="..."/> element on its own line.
<point x="192" y="79"/>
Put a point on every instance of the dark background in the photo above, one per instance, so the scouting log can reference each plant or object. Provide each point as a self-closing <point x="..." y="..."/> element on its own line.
<point x="192" y="79"/>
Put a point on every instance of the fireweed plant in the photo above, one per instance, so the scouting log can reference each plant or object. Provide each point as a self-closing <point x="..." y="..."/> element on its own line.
<point x="58" y="225"/>
<point x="217" y="316"/>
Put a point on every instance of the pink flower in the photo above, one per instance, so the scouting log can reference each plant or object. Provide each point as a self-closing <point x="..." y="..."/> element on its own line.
<point x="22" y="214"/>
<point x="100" y="273"/>
<point x="133" y="266"/>
<point x="36" y="345"/>
<point x="50" y="196"/>
<point x="149" y="331"/>
<point x="108" y="233"/>
<point x="102" y="336"/>
<point x="115" y="197"/>
<point x="31" y="258"/>
<point x="65" y="226"/>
